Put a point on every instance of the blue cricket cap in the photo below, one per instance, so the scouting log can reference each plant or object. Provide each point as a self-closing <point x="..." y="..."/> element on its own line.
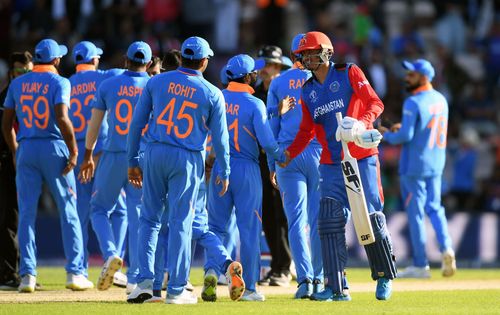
<point x="85" y="51"/>
<point x="296" y="42"/>
<point x="241" y="65"/>
<point x="48" y="49"/>
<point x="196" y="48"/>
<point x="139" y="52"/>
<point x="421" y="66"/>
<point x="223" y="75"/>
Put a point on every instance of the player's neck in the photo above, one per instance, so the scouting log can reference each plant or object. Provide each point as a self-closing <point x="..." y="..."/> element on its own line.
<point x="85" y="67"/>
<point x="321" y="73"/>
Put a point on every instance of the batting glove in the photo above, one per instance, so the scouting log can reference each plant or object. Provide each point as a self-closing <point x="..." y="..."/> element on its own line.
<point x="349" y="129"/>
<point x="368" y="139"/>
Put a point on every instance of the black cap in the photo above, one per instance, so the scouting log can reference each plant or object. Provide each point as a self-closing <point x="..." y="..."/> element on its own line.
<point x="271" y="54"/>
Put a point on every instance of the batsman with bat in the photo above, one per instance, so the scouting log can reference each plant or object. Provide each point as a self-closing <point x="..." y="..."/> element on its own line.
<point x="343" y="88"/>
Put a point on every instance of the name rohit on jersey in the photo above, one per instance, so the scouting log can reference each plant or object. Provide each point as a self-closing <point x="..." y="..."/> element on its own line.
<point x="179" y="89"/>
<point x="328" y="107"/>
<point x="129" y="90"/>
<point x="83" y="88"/>
<point x="35" y="87"/>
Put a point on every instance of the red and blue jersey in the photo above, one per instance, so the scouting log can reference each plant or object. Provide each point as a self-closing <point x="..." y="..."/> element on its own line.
<point x="248" y="124"/>
<point x="118" y="96"/>
<point x="34" y="96"/>
<point x="423" y="133"/>
<point x="344" y="90"/>
<point x="84" y="84"/>
<point x="182" y="107"/>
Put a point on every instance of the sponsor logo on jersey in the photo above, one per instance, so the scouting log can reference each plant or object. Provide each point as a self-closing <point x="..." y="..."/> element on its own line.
<point x="363" y="83"/>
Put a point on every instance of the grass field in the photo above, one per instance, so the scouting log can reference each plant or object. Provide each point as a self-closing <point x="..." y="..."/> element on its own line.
<point x="469" y="292"/>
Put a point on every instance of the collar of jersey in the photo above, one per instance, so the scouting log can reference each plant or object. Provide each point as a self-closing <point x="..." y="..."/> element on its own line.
<point x="189" y="71"/>
<point x="330" y="71"/>
<point x="136" y="74"/>
<point x="425" y="87"/>
<point x="45" y="68"/>
<point x="85" y="67"/>
<point x="240" y="87"/>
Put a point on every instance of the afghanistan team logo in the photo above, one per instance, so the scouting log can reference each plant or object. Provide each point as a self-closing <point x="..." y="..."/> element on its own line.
<point x="334" y="86"/>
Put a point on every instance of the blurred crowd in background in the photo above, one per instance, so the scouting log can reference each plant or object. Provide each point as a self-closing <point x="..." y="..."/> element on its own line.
<point x="460" y="38"/>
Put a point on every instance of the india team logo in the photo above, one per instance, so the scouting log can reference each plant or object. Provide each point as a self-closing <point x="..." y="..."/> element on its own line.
<point x="334" y="86"/>
<point x="313" y="96"/>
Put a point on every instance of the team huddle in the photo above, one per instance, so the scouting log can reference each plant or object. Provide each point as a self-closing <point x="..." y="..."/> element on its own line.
<point x="128" y="153"/>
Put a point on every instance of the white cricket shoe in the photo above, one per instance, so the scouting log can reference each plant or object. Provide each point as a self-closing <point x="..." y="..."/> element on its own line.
<point x="415" y="272"/>
<point x="111" y="266"/>
<point x="78" y="282"/>
<point x="141" y="293"/>
<point x="449" y="263"/>
<point x="130" y="287"/>
<point x="185" y="297"/>
<point x="28" y="283"/>
<point x="235" y="282"/>
<point x="120" y="279"/>
<point x="189" y="286"/>
<point x="252" y="296"/>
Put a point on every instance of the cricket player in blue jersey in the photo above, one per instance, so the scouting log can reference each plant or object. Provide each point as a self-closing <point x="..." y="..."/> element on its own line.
<point x="183" y="107"/>
<point x="422" y="132"/>
<point x="298" y="182"/>
<point x="117" y="96"/>
<point x="248" y="126"/>
<point x="84" y="84"/>
<point x="343" y="88"/>
<point x="45" y="151"/>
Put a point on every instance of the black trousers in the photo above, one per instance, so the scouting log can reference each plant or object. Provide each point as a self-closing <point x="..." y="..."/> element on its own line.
<point x="274" y="222"/>
<point x="9" y="250"/>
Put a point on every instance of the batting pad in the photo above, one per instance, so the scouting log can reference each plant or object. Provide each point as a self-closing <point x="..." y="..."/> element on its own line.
<point x="380" y="255"/>
<point x="331" y="226"/>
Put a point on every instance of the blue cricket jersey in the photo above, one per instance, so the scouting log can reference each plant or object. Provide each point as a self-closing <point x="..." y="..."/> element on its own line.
<point x="181" y="107"/>
<point x="34" y="96"/>
<point x="84" y="84"/>
<point x="423" y="133"/>
<point x="248" y="124"/>
<point x="285" y="127"/>
<point x="118" y="96"/>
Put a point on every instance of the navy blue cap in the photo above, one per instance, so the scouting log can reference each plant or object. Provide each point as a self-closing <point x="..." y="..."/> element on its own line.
<point x="241" y="65"/>
<point x="223" y="75"/>
<point x="421" y="66"/>
<point x="196" y="48"/>
<point x="48" y="49"/>
<point x="85" y="51"/>
<point x="139" y="52"/>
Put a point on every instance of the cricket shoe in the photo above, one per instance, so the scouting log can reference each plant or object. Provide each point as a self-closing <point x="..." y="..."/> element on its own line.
<point x="318" y="286"/>
<point x="27" y="285"/>
<point x="112" y="265"/>
<point x="252" y="296"/>
<point x="415" y="272"/>
<point x="130" y="287"/>
<point x="120" y="279"/>
<point x="222" y="280"/>
<point x="280" y="279"/>
<point x="235" y="282"/>
<point x="189" y="286"/>
<point x="78" y="282"/>
<point x="305" y="289"/>
<point x="384" y="289"/>
<point x="154" y="299"/>
<point x="449" y="263"/>
<point x="328" y="295"/>
<point x="185" y="297"/>
<point x="141" y="293"/>
<point x="209" y="291"/>
<point x="10" y="285"/>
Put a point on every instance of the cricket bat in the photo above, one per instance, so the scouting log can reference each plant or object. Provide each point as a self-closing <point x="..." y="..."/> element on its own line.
<point x="356" y="195"/>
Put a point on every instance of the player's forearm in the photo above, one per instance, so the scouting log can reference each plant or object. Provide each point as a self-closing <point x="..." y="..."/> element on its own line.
<point x="133" y="144"/>
<point x="68" y="134"/>
<point x="93" y="128"/>
<point x="403" y="135"/>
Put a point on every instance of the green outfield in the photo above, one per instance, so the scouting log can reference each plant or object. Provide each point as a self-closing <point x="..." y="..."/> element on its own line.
<point x="471" y="291"/>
